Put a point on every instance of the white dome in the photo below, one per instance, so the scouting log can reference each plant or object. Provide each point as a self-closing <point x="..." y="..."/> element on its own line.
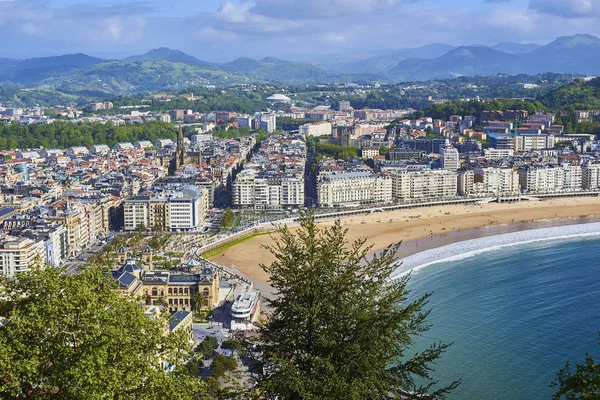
<point x="279" y="97"/>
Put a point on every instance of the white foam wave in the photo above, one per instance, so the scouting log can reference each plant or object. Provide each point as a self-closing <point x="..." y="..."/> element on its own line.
<point x="469" y="248"/>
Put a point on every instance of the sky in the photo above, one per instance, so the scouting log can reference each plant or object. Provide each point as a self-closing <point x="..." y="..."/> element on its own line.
<point x="303" y="30"/>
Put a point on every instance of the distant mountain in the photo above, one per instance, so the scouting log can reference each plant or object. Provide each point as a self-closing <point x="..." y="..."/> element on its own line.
<point x="167" y="69"/>
<point x="6" y="63"/>
<point x="280" y="71"/>
<point x="166" y="54"/>
<point x="579" y="54"/>
<point x="382" y="63"/>
<point x="516" y="48"/>
<point x="35" y="69"/>
<point x="465" y="60"/>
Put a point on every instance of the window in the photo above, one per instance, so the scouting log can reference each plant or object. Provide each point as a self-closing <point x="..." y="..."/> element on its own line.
<point x="186" y="301"/>
<point x="185" y="291"/>
<point x="206" y="292"/>
<point x="180" y="291"/>
<point x="170" y="291"/>
<point x="170" y="301"/>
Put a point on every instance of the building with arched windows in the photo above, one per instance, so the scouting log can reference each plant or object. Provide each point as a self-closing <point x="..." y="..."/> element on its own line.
<point x="174" y="291"/>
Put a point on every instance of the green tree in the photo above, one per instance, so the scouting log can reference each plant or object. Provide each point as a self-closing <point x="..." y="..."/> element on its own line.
<point x="340" y="328"/>
<point x="218" y="366"/>
<point x="582" y="383"/>
<point x="208" y="345"/>
<point x="69" y="337"/>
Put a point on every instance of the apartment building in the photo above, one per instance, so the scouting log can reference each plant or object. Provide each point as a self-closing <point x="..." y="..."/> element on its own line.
<point x="179" y="211"/>
<point x="528" y="142"/>
<point x="353" y="188"/>
<point x="259" y="189"/>
<point x="548" y="178"/>
<point x="424" y="185"/>
<point x="590" y="176"/>
<point x="495" y="181"/>
<point x="20" y="254"/>
<point x="450" y="158"/>
<point x="315" y="129"/>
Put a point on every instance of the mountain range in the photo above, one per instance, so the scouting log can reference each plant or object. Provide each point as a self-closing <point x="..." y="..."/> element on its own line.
<point x="167" y="69"/>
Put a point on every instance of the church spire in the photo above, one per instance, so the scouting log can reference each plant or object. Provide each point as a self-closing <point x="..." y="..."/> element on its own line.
<point x="180" y="152"/>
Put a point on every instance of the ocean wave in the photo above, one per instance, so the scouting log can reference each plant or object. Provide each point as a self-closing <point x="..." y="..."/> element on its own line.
<point x="470" y="248"/>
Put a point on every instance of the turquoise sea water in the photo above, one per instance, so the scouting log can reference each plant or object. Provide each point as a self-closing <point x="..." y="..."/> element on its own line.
<point x="515" y="315"/>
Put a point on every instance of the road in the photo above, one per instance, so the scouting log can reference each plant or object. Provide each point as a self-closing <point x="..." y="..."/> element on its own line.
<point x="72" y="264"/>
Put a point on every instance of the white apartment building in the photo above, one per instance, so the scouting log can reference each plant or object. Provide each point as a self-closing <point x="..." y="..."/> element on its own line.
<point x="533" y="142"/>
<point x="466" y="182"/>
<point x="100" y="149"/>
<point x="186" y="210"/>
<point x="180" y="211"/>
<point x="496" y="181"/>
<point x="369" y="152"/>
<point x="450" y="158"/>
<point x="315" y="129"/>
<point x="590" y="176"/>
<point x="254" y="189"/>
<point x="498" y="154"/>
<point x="549" y="179"/>
<point x="353" y="188"/>
<point x="123" y="146"/>
<point x="19" y="254"/>
<point x="424" y="185"/>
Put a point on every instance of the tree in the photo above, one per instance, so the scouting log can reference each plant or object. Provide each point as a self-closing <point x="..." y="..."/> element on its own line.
<point x="340" y="328"/>
<point x="208" y="345"/>
<point x="583" y="383"/>
<point x="68" y="336"/>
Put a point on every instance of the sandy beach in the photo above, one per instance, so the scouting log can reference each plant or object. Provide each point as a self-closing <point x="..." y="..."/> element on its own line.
<point x="424" y="228"/>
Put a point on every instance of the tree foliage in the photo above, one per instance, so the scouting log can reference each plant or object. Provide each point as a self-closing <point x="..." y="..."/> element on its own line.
<point x="582" y="383"/>
<point x="339" y="327"/>
<point x="66" y="134"/>
<point x="72" y="337"/>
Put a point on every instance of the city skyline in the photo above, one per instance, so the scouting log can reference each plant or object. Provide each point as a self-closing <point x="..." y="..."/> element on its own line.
<point x="217" y="30"/>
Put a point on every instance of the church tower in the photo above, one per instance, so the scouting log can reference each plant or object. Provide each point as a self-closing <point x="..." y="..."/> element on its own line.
<point x="179" y="158"/>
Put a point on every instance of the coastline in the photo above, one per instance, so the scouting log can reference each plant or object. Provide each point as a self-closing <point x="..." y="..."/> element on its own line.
<point x="469" y="248"/>
<point x="428" y="228"/>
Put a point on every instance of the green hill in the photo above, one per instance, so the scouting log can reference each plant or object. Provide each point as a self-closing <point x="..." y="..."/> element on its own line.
<point x="579" y="94"/>
<point x="121" y="77"/>
<point x="275" y="70"/>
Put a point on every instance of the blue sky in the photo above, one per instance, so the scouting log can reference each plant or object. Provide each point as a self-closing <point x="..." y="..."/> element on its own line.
<point x="221" y="30"/>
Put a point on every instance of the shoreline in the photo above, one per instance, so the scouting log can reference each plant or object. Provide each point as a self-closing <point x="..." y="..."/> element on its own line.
<point x="427" y="228"/>
<point x="469" y="248"/>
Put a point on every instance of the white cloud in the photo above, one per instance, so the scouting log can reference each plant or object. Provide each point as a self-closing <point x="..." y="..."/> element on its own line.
<point x="567" y="8"/>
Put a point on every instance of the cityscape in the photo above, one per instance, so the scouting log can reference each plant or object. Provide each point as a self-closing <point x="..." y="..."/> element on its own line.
<point x="321" y="228"/>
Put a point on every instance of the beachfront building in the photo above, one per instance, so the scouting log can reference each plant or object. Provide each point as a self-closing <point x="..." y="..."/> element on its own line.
<point x="590" y="176"/>
<point x="466" y="181"/>
<point x="353" y="188"/>
<point x="496" y="181"/>
<point x="424" y="185"/>
<point x="259" y="189"/>
<point x="550" y="179"/>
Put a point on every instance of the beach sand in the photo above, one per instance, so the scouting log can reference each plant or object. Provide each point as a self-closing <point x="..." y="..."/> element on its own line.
<point x="423" y="228"/>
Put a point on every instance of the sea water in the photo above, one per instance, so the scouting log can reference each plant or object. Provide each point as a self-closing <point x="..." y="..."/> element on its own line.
<point x="514" y="312"/>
